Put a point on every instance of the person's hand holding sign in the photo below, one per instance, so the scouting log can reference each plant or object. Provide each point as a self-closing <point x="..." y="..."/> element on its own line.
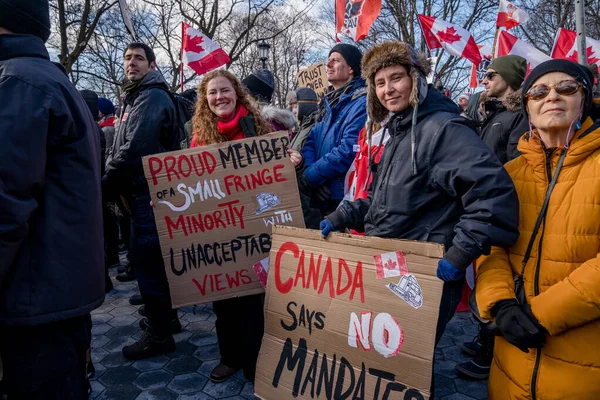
<point x="295" y="157"/>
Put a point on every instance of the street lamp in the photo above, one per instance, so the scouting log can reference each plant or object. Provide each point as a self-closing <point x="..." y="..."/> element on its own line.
<point x="263" y="52"/>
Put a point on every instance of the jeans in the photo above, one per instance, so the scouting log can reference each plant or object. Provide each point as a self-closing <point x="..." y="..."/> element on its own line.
<point x="148" y="265"/>
<point x="46" y="362"/>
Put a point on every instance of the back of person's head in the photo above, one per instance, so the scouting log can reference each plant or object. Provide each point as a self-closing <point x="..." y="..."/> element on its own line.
<point x="31" y="17"/>
<point x="261" y="85"/>
<point x="91" y="99"/>
<point x="308" y="102"/>
<point x="150" y="56"/>
<point x="205" y="121"/>
<point x="191" y="95"/>
<point x="106" y="106"/>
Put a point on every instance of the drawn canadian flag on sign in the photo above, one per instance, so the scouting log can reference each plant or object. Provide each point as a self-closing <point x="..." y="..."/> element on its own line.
<point x="199" y="52"/>
<point x="565" y="46"/>
<point x="510" y="15"/>
<point x="456" y="40"/>
<point x="390" y="264"/>
<point x="509" y="44"/>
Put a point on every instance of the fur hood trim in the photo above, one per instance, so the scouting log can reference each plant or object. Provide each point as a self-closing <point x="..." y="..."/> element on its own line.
<point x="388" y="54"/>
<point x="278" y="116"/>
<point x="512" y="102"/>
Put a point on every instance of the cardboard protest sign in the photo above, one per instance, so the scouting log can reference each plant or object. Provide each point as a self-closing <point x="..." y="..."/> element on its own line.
<point x="314" y="77"/>
<point x="215" y="207"/>
<point x="348" y="317"/>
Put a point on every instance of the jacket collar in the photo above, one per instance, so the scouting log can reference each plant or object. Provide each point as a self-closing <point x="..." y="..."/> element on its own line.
<point x="13" y="46"/>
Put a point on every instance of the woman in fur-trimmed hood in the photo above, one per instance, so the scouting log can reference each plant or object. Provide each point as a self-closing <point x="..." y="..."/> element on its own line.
<point x="436" y="180"/>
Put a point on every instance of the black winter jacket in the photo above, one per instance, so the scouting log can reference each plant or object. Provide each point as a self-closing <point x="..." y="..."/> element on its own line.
<point x="51" y="241"/>
<point x="460" y="197"/>
<point x="503" y="125"/>
<point x="147" y="127"/>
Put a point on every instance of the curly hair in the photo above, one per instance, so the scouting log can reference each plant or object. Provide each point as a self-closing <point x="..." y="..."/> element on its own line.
<point x="205" y="121"/>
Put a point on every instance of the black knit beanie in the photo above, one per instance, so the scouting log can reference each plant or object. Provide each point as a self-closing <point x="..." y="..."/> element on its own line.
<point x="30" y="17"/>
<point x="351" y="54"/>
<point x="511" y="68"/>
<point x="580" y="73"/>
<point x="261" y="85"/>
<point x="307" y="102"/>
<point x="91" y="99"/>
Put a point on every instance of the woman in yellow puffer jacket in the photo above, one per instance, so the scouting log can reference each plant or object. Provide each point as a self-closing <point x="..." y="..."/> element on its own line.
<point x="550" y="336"/>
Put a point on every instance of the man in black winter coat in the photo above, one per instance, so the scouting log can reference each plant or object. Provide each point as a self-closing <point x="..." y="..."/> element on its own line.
<point x="503" y="122"/>
<point x="147" y="126"/>
<point x="436" y="180"/>
<point x="51" y="255"/>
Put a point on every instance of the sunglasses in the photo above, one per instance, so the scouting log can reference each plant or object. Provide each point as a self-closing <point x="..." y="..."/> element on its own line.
<point x="564" y="88"/>
<point x="490" y="75"/>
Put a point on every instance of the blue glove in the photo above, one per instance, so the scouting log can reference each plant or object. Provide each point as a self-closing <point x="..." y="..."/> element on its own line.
<point x="325" y="227"/>
<point x="448" y="272"/>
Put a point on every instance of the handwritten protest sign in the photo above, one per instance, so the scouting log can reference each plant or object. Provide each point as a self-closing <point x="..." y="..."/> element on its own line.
<point x="314" y="77"/>
<point x="215" y="207"/>
<point x="348" y="317"/>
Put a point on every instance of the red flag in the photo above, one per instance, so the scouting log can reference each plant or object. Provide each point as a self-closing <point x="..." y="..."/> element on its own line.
<point x="199" y="52"/>
<point x="509" y="44"/>
<point x="456" y="40"/>
<point x="510" y="15"/>
<point x="355" y="17"/>
<point x="565" y="46"/>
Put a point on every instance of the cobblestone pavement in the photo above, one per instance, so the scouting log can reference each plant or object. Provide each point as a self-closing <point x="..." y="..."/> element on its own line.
<point x="184" y="373"/>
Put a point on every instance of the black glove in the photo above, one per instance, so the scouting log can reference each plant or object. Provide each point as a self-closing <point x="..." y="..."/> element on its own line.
<point x="518" y="325"/>
<point x="303" y="185"/>
<point x="323" y="194"/>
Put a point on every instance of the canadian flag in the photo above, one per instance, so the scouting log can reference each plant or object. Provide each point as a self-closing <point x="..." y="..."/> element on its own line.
<point x="510" y="15"/>
<point x="355" y="17"/>
<point x="456" y="40"/>
<point x="390" y="264"/>
<point x="478" y="71"/>
<point x="199" y="52"/>
<point x="509" y="44"/>
<point x="565" y="46"/>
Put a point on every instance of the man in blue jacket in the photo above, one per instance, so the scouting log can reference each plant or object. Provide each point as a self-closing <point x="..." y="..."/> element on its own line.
<point x="51" y="242"/>
<point x="330" y="146"/>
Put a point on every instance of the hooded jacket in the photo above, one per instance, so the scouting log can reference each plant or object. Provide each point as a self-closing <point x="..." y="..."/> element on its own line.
<point x="51" y="243"/>
<point x="436" y="180"/>
<point x="147" y="126"/>
<point x="503" y="125"/>
<point x="562" y="282"/>
<point x="280" y="119"/>
<point x="330" y="146"/>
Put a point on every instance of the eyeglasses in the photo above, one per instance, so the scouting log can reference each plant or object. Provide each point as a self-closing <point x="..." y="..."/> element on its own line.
<point x="564" y="88"/>
<point x="490" y="75"/>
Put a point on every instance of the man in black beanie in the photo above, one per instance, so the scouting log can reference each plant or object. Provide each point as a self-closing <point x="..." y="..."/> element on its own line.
<point x="51" y="244"/>
<point x="261" y="85"/>
<point x="331" y="144"/>
<point x="503" y="123"/>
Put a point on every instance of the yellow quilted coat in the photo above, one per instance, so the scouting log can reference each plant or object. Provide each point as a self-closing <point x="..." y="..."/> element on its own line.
<point x="564" y="291"/>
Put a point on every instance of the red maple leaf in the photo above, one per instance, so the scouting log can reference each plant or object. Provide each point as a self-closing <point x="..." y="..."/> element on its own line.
<point x="390" y="264"/>
<point x="528" y="68"/>
<point x="590" y="53"/>
<point x="194" y="44"/>
<point x="449" y="35"/>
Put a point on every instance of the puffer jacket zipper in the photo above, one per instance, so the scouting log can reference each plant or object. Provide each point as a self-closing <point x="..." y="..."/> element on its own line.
<point x="536" y="280"/>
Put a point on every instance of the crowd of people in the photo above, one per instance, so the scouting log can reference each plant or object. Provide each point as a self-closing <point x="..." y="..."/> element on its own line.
<point x="507" y="180"/>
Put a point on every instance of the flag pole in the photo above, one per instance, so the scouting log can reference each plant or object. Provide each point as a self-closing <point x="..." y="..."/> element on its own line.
<point x="181" y="76"/>
<point x="495" y="43"/>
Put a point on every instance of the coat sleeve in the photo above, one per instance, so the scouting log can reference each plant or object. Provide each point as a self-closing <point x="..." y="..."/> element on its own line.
<point x="336" y="163"/>
<point x="24" y="134"/>
<point x="143" y="128"/>
<point x="495" y="280"/>
<point x="518" y="128"/>
<point x="478" y="180"/>
<point x="572" y="302"/>
<point x="309" y="149"/>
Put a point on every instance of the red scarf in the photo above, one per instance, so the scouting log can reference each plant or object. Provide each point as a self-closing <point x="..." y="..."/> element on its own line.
<point x="232" y="129"/>
<point x="108" y="122"/>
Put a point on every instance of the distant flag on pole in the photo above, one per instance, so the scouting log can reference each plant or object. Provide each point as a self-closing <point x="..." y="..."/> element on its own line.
<point x="509" y="44"/>
<point x="456" y="40"/>
<point x="127" y="18"/>
<point x="354" y="18"/>
<point x="199" y="52"/>
<point x="565" y="46"/>
<point x="510" y="15"/>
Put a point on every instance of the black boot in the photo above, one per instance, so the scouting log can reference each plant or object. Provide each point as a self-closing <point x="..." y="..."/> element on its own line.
<point x="149" y="345"/>
<point x="479" y="366"/>
<point x="126" y="276"/>
<point x="136" y="300"/>
<point x="174" y="325"/>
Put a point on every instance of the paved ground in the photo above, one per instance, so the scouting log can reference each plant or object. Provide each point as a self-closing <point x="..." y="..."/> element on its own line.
<point x="184" y="374"/>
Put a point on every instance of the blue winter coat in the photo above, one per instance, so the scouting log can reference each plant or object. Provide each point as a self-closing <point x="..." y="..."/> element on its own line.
<point x="329" y="148"/>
